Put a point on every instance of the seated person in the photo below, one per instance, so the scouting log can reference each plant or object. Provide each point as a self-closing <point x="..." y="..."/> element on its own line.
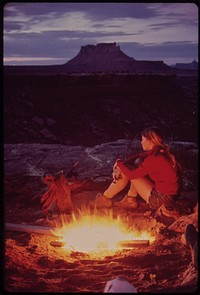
<point x="157" y="179"/>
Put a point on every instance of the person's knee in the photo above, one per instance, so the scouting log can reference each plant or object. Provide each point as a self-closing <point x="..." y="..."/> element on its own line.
<point x="138" y="162"/>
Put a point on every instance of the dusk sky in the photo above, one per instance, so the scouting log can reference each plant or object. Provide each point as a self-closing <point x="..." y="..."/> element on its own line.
<point x="53" y="33"/>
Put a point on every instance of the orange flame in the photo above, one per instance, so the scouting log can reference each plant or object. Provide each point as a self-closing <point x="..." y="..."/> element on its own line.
<point x="94" y="233"/>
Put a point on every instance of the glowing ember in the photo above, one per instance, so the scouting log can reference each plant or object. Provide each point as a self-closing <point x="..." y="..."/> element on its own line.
<point x="93" y="233"/>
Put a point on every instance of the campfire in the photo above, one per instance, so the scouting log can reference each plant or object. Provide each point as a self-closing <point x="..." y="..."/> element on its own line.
<point x="88" y="231"/>
<point x="97" y="234"/>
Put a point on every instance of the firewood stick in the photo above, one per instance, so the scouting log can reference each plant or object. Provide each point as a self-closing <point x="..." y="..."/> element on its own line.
<point x="45" y="230"/>
<point x="121" y="244"/>
<point x="133" y="243"/>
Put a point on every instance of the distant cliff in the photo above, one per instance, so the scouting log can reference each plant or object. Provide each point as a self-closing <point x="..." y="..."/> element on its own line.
<point x="108" y="57"/>
<point x="100" y="58"/>
<point x="187" y="66"/>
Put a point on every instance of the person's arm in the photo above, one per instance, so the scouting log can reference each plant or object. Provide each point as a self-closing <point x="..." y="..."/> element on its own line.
<point x="132" y="158"/>
<point x="141" y="171"/>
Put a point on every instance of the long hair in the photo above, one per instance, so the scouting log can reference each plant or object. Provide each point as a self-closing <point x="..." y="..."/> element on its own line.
<point x="156" y="136"/>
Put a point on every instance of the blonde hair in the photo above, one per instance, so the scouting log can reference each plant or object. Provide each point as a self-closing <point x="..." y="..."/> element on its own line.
<point x="156" y="136"/>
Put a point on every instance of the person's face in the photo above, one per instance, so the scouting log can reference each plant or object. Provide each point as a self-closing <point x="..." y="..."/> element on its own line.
<point x="146" y="144"/>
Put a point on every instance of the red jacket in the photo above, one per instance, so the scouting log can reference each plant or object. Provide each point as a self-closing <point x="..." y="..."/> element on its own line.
<point x="159" y="169"/>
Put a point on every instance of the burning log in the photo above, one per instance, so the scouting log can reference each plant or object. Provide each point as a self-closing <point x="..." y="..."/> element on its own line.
<point x="133" y="243"/>
<point x="121" y="244"/>
<point x="46" y="230"/>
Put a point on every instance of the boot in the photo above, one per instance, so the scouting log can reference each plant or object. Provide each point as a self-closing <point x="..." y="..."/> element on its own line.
<point x="127" y="203"/>
<point x="101" y="201"/>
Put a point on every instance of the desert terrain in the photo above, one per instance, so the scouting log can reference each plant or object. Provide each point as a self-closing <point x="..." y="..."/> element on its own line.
<point x="52" y="120"/>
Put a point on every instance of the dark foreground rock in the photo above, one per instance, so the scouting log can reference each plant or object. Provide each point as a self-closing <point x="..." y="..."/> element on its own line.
<point x="91" y="109"/>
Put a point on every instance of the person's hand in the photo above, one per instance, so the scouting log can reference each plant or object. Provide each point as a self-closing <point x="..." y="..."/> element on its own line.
<point x="119" y="161"/>
<point x="116" y="173"/>
<point x="115" y="165"/>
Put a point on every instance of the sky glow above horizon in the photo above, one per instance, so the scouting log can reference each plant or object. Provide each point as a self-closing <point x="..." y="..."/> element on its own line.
<point x="53" y="33"/>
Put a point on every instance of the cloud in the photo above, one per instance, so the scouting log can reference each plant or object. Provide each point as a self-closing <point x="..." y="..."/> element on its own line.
<point x="95" y="11"/>
<point x="58" y="30"/>
<point x="160" y="51"/>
